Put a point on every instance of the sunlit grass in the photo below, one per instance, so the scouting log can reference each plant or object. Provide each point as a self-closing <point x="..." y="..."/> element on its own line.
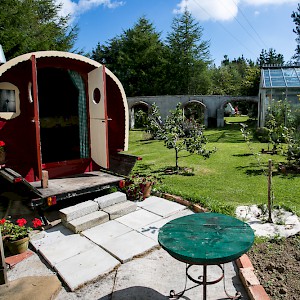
<point x="232" y="176"/>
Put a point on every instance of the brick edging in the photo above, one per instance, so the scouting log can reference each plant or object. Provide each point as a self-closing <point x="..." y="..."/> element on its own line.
<point x="246" y="270"/>
<point x="251" y="283"/>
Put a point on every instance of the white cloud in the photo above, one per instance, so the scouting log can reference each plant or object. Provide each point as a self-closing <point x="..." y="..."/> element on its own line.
<point x="221" y="10"/>
<point x="209" y="9"/>
<point x="76" y="8"/>
<point x="263" y="2"/>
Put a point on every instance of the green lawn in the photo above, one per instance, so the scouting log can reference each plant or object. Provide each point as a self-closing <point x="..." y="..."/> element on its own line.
<point x="230" y="177"/>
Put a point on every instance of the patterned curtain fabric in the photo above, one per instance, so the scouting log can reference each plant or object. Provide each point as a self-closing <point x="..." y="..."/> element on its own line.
<point x="82" y="114"/>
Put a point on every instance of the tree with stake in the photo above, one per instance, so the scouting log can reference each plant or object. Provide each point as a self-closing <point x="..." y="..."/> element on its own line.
<point x="179" y="133"/>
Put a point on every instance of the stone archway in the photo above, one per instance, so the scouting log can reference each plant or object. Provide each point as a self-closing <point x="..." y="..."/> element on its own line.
<point x="195" y="109"/>
<point x="138" y="111"/>
<point x="237" y="105"/>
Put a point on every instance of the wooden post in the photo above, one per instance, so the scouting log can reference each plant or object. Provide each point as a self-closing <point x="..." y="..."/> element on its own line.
<point x="3" y="273"/>
<point x="270" y="193"/>
<point x="45" y="178"/>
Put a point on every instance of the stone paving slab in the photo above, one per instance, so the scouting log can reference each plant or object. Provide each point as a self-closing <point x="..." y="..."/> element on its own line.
<point x="129" y="245"/>
<point x="50" y="236"/>
<point x="65" y="248"/>
<point x="110" y="199"/>
<point x="79" y="210"/>
<point x="163" y="207"/>
<point x="86" y="266"/>
<point x="105" y="232"/>
<point x="138" y="219"/>
<point x="87" y="221"/>
<point x="149" y="201"/>
<point x="120" y="209"/>
<point x="154" y="275"/>
<point x="152" y="229"/>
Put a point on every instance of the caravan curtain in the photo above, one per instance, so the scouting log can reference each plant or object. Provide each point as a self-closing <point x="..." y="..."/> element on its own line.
<point x="82" y="113"/>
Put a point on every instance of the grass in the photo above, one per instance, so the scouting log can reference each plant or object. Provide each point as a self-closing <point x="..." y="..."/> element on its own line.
<point x="229" y="178"/>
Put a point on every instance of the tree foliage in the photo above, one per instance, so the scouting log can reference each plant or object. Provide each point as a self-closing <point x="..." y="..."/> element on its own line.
<point x="270" y="58"/>
<point x="296" y="19"/>
<point x="235" y="77"/>
<point x="148" y="66"/>
<point x="34" y="25"/>
<point x="137" y="58"/>
<point x="178" y="133"/>
<point x="188" y="57"/>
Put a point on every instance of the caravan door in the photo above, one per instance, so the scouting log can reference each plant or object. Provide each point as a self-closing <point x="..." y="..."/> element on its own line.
<point x="98" y="117"/>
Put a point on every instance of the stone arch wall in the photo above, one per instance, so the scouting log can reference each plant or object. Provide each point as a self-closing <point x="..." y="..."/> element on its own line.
<point x="214" y="112"/>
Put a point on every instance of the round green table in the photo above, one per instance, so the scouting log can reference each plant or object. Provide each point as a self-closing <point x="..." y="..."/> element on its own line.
<point x="205" y="239"/>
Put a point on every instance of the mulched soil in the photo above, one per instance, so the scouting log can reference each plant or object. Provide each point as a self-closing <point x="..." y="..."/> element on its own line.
<point x="277" y="266"/>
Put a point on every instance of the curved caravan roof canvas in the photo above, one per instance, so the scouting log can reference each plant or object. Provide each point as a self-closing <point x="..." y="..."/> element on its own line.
<point x="60" y="112"/>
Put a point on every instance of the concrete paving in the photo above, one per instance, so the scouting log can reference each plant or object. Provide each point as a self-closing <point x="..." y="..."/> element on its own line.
<point x="121" y="259"/>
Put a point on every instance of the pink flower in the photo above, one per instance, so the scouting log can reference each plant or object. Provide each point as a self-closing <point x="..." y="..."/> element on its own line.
<point x="21" y="222"/>
<point x="37" y="223"/>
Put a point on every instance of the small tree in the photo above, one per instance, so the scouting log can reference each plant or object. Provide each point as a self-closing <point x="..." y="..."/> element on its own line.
<point x="179" y="133"/>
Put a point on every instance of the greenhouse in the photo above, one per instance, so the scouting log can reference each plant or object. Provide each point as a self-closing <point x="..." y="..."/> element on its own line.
<point x="278" y="83"/>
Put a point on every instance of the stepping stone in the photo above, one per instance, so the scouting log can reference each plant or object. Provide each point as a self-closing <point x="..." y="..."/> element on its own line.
<point x="49" y="237"/>
<point x="129" y="245"/>
<point x="65" y="248"/>
<point x="105" y="232"/>
<point x="120" y="209"/>
<point x="152" y="229"/>
<point x="85" y="267"/>
<point x="138" y="219"/>
<point x="79" y="210"/>
<point x="110" y="199"/>
<point x="87" y="221"/>
<point x="162" y="207"/>
<point x="149" y="201"/>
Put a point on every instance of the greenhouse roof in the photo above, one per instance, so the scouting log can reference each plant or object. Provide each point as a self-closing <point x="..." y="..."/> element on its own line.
<point x="281" y="77"/>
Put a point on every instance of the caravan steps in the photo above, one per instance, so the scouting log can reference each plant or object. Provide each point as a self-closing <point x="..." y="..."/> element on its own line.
<point x="91" y="213"/>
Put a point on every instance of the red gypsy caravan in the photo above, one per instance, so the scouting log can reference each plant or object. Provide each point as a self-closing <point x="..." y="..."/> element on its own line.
<point x="61" y="115"/>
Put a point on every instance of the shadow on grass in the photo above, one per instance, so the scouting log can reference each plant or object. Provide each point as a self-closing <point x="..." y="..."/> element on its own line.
<point x="183" y="171"/>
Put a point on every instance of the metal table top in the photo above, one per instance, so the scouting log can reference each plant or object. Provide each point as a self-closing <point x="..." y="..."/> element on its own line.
<point x="206" y="238"/>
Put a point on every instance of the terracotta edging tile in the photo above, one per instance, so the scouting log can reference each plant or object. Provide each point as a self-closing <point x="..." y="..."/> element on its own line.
<point x="14" y="259"/>
<point x="251" y="283"/>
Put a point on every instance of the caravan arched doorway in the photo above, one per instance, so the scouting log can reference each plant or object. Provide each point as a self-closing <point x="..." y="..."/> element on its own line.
<point x="59" y="120"/>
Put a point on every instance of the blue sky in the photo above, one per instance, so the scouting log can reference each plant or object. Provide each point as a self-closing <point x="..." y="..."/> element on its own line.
<point x="233" y="27"/>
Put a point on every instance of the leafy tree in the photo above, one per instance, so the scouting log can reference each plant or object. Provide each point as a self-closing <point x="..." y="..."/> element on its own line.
<point x="179" y="133"/>
<point x="235" y="77"/>
<point x="188" y="57"/>
<point x="137" y="58"/>
<point x="270" y="58"/>
<point x="33" y="25"/>
<point x="296" y="19"/>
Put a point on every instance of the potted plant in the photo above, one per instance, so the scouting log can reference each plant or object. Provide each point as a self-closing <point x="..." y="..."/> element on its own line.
<point x="16" y="235"/>
<point x="138" y="187"/>
<point x="2" y="152"/>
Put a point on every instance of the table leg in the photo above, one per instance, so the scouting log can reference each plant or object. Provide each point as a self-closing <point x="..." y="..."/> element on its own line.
<point x="204" y="281"/>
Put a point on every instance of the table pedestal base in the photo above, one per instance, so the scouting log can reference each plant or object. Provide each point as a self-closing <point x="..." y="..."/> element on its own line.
<point x="202" y="280"/>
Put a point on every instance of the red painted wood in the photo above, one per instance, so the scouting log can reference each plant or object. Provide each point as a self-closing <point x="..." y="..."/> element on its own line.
<point x="68" y="167"/>
<point x="36" y="117"/>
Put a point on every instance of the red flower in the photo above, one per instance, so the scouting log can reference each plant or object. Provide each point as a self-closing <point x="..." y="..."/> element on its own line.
<point x="2" y="221"/>
<point x="122" y="184"/>
<point x="37" y="223"/>
<point x="21" y="222"/>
